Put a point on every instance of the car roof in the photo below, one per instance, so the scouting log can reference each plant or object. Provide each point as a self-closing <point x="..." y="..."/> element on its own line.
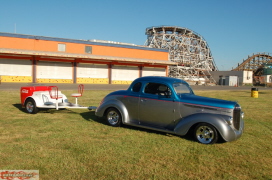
<point x="160" y="78"/>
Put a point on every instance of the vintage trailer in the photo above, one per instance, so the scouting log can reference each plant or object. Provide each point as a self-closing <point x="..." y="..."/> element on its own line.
<point x="34" y="98"/>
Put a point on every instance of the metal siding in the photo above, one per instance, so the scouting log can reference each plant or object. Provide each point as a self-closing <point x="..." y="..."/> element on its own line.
<point x="147" y="71"/>
<point x="92" y="71"/>
<point x="88" y="57"/>
<point x="79" y="41"/>
<point x="54" y="70"/>
<point x="125" y="73"/>
<point x="13" y="67"/>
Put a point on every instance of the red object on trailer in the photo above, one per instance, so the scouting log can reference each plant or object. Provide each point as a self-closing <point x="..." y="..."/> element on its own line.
<point x="80" y="92"/>
<point x="28" y="91"/>
<point x="34" y="98"/>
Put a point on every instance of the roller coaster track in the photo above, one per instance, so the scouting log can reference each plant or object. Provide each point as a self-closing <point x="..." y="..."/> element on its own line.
<point x="186" y="47"/>
<point x="254" y="62"/>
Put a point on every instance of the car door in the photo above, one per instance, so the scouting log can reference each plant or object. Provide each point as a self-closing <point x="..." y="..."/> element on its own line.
<point x="132" y="103"/>
<point x="157" y="107"/>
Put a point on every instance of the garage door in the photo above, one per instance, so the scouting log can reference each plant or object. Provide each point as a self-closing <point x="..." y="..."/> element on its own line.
<point x="13" y="70"/>
<point x="92" y="73"/>
<point x="54" y="72"/>
<point x="150" y="71"/>
<point x="124" y="74"/>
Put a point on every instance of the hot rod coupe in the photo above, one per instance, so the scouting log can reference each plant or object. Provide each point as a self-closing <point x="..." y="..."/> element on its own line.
<point x="170" y="105"/>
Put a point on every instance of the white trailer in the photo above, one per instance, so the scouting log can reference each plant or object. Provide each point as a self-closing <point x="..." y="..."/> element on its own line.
<point x="34" y="98"/>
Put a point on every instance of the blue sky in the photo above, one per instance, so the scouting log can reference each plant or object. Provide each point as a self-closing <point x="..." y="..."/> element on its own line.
<point x="233" y="29"/>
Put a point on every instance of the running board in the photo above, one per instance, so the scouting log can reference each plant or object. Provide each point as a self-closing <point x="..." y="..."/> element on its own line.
<point x="152" y="128"/>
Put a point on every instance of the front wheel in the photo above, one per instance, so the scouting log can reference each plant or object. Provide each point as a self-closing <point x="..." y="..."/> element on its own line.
<point x="114" y="117"/>
<point x="205" y="133"/>
<point x="30" y="106"/>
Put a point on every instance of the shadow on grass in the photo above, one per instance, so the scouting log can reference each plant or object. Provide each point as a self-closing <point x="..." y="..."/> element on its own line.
<point x="90" y="116"/>
<point x="19" y="107"/>
<point x="54" y="111"/>
<point x="44" y="110"/>
<point x="263" y="92"/>
<point x="250" y="95"/>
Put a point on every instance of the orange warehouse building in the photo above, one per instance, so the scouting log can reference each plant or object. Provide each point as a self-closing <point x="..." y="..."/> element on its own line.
<point x="39" y="59"/>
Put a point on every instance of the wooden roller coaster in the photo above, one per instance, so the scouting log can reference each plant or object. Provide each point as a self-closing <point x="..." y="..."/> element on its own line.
<point x="186" y="47"/>
<point x="255" y="63"/>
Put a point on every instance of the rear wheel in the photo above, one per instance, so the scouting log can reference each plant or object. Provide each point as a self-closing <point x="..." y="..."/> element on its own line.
<point x="31" y="106"/>
<point x="114" y="117"/>
<point x="205" y="133"/>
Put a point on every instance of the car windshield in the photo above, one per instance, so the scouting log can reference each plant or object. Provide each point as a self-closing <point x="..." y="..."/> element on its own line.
<point x="181" y="88"/>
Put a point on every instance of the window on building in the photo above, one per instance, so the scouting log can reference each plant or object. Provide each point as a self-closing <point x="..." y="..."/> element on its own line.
<point x="88" y="49"/>
<point x="62" y="47"/>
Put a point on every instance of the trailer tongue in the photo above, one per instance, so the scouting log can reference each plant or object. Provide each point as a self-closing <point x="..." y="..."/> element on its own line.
<point x="34" y="98"/>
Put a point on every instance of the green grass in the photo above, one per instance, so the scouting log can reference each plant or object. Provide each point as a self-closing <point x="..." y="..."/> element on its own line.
<point x="75" y="144"/>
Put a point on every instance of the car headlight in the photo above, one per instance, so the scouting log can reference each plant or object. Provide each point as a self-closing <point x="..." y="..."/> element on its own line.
<point x="242" y="115"/>
<point x="229" y="120"/>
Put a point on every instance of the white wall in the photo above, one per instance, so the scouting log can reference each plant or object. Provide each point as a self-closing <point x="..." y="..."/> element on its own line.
<point x="150" y="71"/>
<point x="14" y="67"/>
<point x="54" y="70"/>
<point x="125" y="73"/>
<point x="244" y="77"/>
<point x="92" y="70"/>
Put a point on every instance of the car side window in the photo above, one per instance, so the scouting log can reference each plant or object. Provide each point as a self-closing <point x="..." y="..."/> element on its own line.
<point x="137" y="87"/>
<point x="157" y="89"/>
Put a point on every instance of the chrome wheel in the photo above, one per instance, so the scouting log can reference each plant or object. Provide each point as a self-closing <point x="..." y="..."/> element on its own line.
<point x="206" y="133"/>
<point x="30" y="106"/>
<point x="113" y="117"/>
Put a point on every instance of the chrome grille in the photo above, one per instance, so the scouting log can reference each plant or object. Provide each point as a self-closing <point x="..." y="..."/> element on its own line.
<point x="236" y="116"/>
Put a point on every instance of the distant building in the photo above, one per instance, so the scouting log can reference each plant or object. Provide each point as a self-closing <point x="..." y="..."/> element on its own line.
<point x="233" y="78"/>
<point x="39" y="59"/>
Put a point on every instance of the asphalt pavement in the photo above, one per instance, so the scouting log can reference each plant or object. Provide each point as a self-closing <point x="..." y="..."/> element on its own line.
<point x="17" y="86"/>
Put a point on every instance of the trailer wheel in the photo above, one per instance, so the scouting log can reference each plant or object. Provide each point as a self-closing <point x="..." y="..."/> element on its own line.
<point x="31" y="106"/>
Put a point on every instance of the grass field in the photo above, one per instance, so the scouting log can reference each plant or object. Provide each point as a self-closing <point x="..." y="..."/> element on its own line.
<point x="75" y="144"/>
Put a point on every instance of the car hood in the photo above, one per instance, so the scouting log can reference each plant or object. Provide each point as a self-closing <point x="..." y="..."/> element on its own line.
<point x="191" y="99"/>
<point x="119" y="92"/>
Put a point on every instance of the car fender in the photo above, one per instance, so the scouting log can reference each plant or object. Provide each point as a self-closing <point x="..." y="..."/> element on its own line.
<point x="216" y="120"/>
<point x="113" y="103"/>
